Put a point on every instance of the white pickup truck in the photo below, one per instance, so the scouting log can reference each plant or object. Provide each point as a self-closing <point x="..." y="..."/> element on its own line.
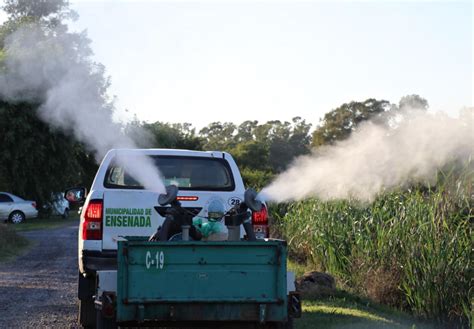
<point x="118" y="206"/>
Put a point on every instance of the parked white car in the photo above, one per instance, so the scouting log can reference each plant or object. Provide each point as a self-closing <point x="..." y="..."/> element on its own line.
<point x="16" y="209"/>
<point x="58" y="205"/>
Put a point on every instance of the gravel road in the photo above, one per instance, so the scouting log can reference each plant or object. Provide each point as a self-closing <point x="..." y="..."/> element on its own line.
<point x="38" y="289"/>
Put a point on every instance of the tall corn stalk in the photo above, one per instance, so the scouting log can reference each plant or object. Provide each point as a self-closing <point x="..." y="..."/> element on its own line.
<point x="410" y="248"/>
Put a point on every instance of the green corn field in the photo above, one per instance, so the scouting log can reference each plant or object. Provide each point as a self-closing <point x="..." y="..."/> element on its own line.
<point x="410" y="248"/>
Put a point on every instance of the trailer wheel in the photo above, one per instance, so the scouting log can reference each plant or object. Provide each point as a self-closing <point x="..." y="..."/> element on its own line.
<point x="286" y="325"/>
<point x="105" y="323"/>
<point x="87" y="313"/>
<point x="281" y="325"/>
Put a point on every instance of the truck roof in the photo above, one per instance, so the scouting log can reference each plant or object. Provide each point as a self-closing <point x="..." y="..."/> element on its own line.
<point x="158" y="151"/>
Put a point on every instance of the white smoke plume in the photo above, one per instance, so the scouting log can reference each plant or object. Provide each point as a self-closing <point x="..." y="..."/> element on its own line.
<point x="378" y="158"/>
<point x="53" y="67"/>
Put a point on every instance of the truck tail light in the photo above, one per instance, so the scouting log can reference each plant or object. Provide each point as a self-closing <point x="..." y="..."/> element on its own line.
<point x="260" y="223"/>
<point x="33" y="204"/>
<point x="92" y="225"/>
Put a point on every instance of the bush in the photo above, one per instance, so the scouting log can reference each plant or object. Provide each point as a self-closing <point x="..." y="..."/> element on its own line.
<point x="256" y="179"/>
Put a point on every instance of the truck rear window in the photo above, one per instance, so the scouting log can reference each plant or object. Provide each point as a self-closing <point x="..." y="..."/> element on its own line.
<point x="188" y="173"/>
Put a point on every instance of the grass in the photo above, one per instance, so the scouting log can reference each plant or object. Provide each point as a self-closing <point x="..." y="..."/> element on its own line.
<point x="44" y="223"/>
<point x="347" y="311"/>
<point x="11" y="244"/>
<point x="298" y="268"/>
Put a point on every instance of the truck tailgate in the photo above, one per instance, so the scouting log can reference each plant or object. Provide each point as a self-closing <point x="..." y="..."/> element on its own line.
<point x="224" y="280"/>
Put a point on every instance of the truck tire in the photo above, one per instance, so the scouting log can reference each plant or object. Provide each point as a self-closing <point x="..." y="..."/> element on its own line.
<point x="86" y="290"/>
<point x="87" y="313"/>
<point x="103" y="322"/>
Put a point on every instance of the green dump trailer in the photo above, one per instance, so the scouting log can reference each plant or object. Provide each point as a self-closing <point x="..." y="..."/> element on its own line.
<point x="237" y="284"/>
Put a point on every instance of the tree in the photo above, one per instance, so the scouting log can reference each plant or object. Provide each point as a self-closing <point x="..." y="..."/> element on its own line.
<point x="172" y="135"/>
<point x="36" y="158"/>
<point x="255" y="178"/>
<point x="413" y="102"/>
<point x="251" y="154"/>
<point x="300" y="139"/>
<point x="339" y="123"/>
<point x="272" y="145"/>
<point x="246" y="131"/>
<point x="218" y="136"/>
<point x="48" y="13"/>
<point x="286" y="141"/>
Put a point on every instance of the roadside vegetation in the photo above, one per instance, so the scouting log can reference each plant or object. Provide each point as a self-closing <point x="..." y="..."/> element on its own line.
<point x="343" y="309"/>
<point x="410" y="249"/>
<point x="45" y="223"/>
<point x="11" y="243"/>
<point x="349" y="311"/>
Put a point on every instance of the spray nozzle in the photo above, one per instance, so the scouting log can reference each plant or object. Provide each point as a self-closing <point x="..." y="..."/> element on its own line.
<point x="178" y="220"/>
<point x="169" y="197"/>
<point x="250" y="200"/>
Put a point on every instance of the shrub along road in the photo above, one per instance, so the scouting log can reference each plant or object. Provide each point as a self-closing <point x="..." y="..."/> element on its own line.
<point x="38" y="289"/>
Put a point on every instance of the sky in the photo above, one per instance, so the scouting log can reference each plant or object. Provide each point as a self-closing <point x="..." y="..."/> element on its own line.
<point x="207" y="61"/>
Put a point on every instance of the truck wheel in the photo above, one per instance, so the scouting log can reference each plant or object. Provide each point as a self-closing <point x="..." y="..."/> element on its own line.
<point x="103" y="322"/>
<point x="87" y="313"/>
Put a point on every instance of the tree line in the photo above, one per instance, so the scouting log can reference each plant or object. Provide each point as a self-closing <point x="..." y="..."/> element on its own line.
<point x="263" y="150"/>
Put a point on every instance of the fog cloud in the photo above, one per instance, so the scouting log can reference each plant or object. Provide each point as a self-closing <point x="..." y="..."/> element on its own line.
<point x="378" y="158"/>
<point x="53" y="68"/>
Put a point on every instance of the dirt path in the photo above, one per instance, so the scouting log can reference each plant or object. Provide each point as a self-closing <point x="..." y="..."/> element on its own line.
<point x="38" y="289"/>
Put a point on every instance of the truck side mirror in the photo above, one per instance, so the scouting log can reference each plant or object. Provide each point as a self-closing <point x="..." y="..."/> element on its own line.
<point x="75" y="194"/>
